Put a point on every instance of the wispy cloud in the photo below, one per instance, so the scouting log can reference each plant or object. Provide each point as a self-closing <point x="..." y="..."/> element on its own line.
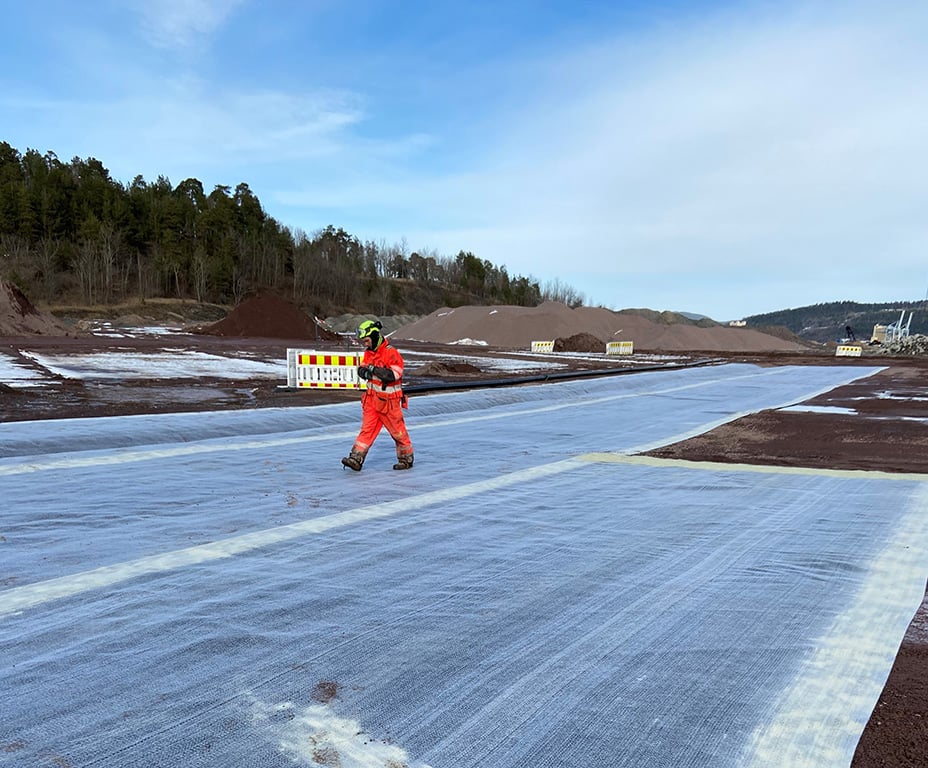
<point x="792" y="144"/>
<point x="182" y="23"/>
<point x="187" y="126"/>
<point x="203" y="122"/>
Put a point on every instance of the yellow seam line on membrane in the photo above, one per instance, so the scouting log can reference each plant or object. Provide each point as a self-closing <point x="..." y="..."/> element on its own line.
<point x="716" y="466"/>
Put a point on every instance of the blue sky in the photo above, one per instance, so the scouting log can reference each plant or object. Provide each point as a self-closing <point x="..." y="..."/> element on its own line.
<point x="726" y="158"/>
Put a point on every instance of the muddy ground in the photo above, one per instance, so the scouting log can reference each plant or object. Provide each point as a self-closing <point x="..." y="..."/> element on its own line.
<point x="885" y="428"/>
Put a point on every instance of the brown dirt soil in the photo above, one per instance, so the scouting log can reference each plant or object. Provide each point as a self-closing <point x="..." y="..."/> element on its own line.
<point x="882" y="435"/>
<point x="442" y="370"/>
<point x="270" y="316"/>
<point x="579" y="342"/>
<point x="19" y="316"/>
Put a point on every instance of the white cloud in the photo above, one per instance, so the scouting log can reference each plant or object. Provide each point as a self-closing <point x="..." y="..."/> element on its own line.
<point x="792" y="144"/>
<point x="182" y="23"/>
<point x="187" y="127"/>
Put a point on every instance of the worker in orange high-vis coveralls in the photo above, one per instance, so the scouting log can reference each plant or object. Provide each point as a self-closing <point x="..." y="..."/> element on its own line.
<point x="383" y="402"/>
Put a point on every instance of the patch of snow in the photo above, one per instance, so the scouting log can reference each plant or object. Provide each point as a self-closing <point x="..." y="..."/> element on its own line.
<point x="892" y="396"/>
<point x="316" y="735"/>
<point x="170" y="364"/>
<point x="15" y="374"/>
<point x="106" y="329"/>
<point x="832" y="409"/>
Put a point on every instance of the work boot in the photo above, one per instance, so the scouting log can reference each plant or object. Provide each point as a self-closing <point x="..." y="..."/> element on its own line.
<point x="354" y="460"/>
<point x="403" y="462"/>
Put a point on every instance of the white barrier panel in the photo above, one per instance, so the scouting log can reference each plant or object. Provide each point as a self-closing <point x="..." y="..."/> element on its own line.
<point x="620" y="347"/>
<point x="321" y="370"/>
<point x="543" y="346"/>
<point x="847" y="350"/>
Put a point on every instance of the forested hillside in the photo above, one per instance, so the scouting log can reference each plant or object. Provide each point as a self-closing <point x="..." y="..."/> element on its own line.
<point x="70" y="234"/>
<point x="827" y="322"/>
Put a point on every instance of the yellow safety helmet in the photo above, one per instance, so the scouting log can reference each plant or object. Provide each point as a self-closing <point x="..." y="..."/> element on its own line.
<point x="371" y="328"/>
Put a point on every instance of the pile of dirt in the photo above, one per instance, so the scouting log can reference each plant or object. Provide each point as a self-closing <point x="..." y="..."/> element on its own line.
<point x="267" y="315"/>
<point x="579" y="342"/>
<point x="18" y="316"/>
<point x="437" y="368"/>
<point x="510" y="327"/>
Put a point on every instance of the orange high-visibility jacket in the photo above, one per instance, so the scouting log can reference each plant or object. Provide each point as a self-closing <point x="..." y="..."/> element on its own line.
<point x="385" y="356"/>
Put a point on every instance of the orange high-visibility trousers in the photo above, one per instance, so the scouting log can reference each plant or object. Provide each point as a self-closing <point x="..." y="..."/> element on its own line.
<point x="379" y="412"/>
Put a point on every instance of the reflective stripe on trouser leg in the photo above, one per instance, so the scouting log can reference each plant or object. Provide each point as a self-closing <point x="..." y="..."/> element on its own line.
<point x="396" y="426"/>
<point x="371" y="424"/>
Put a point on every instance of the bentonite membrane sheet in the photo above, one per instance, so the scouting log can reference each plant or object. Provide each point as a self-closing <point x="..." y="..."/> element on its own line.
<point x="215" y="590"/>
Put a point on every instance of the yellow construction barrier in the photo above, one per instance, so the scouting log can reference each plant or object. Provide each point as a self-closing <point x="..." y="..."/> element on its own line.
<point x="620" y="347"/>
<point x="543" y="346"/>
<point x="847" y="350"/>
<point x="323" y="370"/>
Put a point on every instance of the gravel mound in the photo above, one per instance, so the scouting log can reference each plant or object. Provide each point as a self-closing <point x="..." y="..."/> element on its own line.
<point x="579" y="342"/>
<point x="267" y="315"/>
<point x="510" y="327"/>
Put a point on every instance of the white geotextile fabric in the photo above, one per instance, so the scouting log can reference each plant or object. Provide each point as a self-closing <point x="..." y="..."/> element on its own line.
<point x="214" y="590"/>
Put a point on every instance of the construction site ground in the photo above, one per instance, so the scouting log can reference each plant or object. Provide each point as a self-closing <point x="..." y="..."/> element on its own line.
<point x="877" y="423"/>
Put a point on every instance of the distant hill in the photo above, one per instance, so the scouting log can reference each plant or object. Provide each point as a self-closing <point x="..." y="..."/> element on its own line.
<point x="693" y="316"/>
<point x="826" y="322"/>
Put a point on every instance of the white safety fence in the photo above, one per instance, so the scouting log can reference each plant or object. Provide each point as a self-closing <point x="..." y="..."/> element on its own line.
<point x="620" y="347"/>
<point x="323" y="370"/>
<point x="848" y="350"/>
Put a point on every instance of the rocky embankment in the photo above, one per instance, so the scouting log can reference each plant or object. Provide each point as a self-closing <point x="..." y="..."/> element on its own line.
<point x="908" y="345"/>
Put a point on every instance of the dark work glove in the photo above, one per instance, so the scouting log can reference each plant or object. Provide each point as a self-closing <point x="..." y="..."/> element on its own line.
<point x="384" y="374"/>
<point x="365" y="372"/>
